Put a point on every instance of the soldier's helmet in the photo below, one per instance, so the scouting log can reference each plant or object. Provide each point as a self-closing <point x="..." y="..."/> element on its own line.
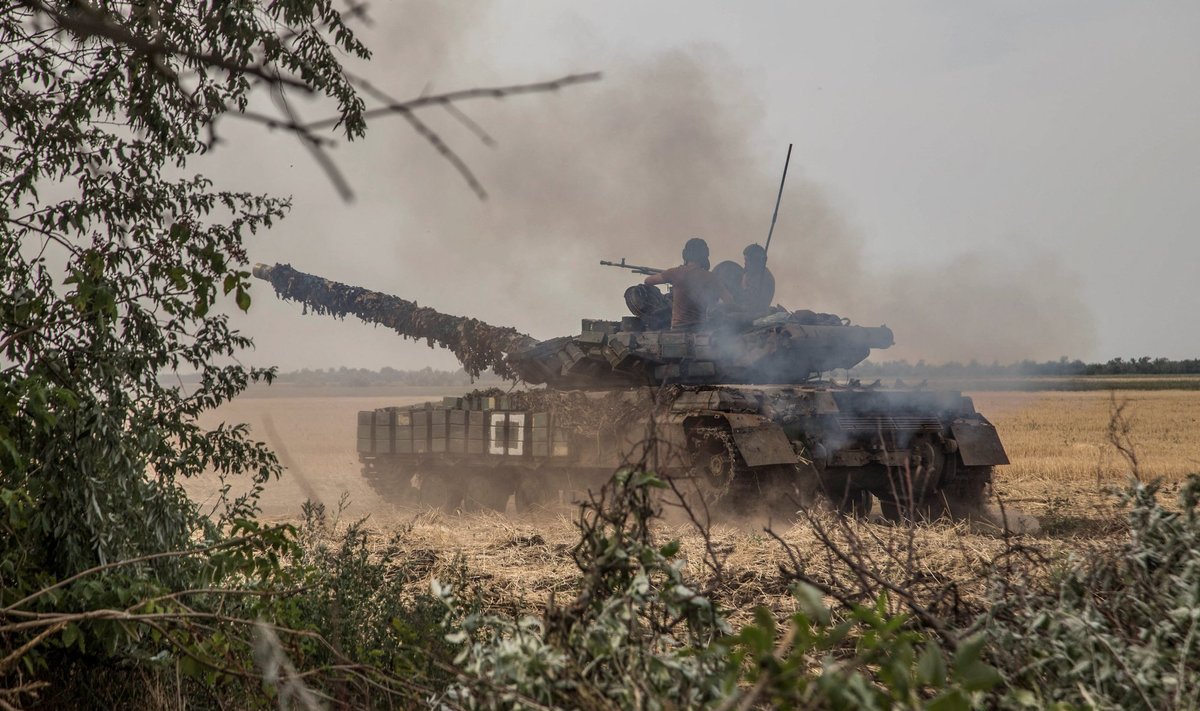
<point x="755" y="254"/>
<point x="696" y="250"/>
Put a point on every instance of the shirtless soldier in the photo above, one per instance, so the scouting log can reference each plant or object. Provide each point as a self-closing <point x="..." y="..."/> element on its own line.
<point x="693" y="287"/>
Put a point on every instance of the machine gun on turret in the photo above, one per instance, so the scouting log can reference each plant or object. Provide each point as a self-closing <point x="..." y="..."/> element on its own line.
<point x="636" y="269"/>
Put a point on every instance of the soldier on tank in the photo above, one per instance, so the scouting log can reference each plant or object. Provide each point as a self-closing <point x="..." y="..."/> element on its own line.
<point x="694" y="289"/>
<point x="758" y="284"/>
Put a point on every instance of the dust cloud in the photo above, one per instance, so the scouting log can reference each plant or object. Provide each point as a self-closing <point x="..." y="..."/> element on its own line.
<point x="666" y="147"/>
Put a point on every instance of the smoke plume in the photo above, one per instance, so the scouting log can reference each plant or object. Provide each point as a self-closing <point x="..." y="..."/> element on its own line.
<point x="666" y="147"/>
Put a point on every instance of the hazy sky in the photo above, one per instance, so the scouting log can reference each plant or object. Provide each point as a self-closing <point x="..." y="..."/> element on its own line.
<point x="1004" y="180"/>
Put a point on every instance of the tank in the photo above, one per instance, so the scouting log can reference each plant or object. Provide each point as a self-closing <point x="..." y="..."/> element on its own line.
<point x="737" y="416"/>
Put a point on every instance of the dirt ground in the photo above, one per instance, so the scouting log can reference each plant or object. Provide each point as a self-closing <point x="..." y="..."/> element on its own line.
<point x="1063" y="470"/>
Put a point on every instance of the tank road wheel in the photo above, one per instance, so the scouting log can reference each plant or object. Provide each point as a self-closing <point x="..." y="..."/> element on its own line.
<point x="894" y="511"/>
<point x="440" y="488"/>
<point x="390" y="481"/>
<point x="966" y="494"/>
<point x="913" y="490"/>
<point x="536" y="490"/>
<point x="489" y="489"/>
<point x="711" y="475"/>
<point x="851" y="501"/>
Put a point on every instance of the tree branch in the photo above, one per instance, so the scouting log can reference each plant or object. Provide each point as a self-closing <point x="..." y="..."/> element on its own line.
<point x="86" y="20"/>
<point x="123" y="563"/>
<point x="496" y="92"/>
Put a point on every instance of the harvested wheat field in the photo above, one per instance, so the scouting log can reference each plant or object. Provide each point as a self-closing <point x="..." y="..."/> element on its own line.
<point x="1063" y="470"/>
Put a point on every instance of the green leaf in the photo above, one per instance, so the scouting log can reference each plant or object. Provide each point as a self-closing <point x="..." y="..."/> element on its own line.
<point x="812" y="602"/>
<point x="70" y="634"/>
<point x="979" y="676"/>
<point x="969" y="650"/>
<point x="931" y="666"/>
<point x="953" y="700"/>
<point x="968" y="667"/>
<point x="243" y="299"/>
<point x="189" y="667"/>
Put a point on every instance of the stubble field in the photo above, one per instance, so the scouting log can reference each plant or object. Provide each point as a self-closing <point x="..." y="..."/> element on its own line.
<point x="1064" y="469"/>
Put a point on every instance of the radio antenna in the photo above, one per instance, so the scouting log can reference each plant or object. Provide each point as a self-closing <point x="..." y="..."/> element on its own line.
<point x="779" y="197"/>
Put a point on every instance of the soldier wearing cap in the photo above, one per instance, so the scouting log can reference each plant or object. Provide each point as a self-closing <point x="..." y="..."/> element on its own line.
<point x="694" y="289"/>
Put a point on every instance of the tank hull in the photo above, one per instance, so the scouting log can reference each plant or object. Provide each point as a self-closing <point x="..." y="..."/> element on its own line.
<point x="735" y="448"/>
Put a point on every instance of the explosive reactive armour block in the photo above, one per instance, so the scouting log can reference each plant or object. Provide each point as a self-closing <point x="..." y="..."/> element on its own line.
<point x="674" y="351"/>
<point x="382" y="435"/>
<point x="664" y="372"/>
<point x="560" y="446"/>
<point x="539" y="434"/>
<point x="599" y="325"/>
<point x="403" y="435"/>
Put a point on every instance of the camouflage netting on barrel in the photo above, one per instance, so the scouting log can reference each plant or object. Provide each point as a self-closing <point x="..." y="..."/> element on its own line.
<point x="477" y="345"/>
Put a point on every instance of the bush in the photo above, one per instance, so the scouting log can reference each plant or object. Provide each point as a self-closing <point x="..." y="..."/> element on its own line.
<point x="642" y="634"/>
<point x="1113" y="631"/>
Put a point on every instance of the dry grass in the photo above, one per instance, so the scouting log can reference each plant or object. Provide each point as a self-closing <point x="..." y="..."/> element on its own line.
<point x="1063" y="436"/>
<point x="1062" y="467"/>
<point x="521" y="563"/>
<point x="1063" y="464"/>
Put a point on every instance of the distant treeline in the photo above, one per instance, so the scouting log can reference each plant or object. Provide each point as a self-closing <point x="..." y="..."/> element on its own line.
<point x="1061" y="367"/>
<point x="428" y="377"/>
<point x="888" y="369"/>
<point x="384" y="376"/>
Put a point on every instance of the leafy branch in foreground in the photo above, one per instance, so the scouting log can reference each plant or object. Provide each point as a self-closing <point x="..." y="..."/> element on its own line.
<point x="115" y="268"/>
<point x="1117" y="630"/>
<point x="313" y="612"/>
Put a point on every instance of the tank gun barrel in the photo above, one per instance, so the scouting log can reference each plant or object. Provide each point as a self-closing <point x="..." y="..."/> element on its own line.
<point x="477" y="345"/>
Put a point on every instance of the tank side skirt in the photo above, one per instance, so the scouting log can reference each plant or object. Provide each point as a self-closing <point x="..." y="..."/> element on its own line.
<point x="892" y="445"/>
